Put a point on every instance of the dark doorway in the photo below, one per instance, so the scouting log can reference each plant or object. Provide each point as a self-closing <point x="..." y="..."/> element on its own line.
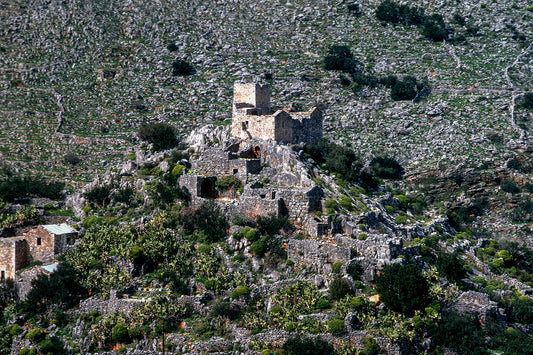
<point x="207" y="188"/>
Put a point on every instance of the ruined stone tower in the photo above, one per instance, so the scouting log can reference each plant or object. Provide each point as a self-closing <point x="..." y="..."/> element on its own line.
<point x="254" y="118"/>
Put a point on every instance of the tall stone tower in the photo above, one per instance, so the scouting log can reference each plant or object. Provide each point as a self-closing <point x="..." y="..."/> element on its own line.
<point x="254" y="118"/>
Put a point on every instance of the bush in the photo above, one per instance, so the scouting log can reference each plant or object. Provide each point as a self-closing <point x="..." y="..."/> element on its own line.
<point x="341" y="58"/>
<point x="182" y="68"/>
<point x="405" y="89"/>
<point x="299" y="345"/>
<point x="227" y="182"/>
<point x="527" y="101"/>
<point x="386" y="168"/>
<point x="434" y="28"/>
<point x="225" y="309"/>
<point x="272" y="224"/>
<point x="207" y="222"/>
<point x="451" y="266"/>
<point x="339" y="288"/>
<point x="509" y="186"/>
<point x="13" y="187"/>
<point x="99" y="194"/>
<point x="177" y="171"/>
<point x="515" y="164"/>
<point x="36" y="335"/>
<point x="402" y="288"/>
<point x="459" y="332"/>
<point x="161" y="135"/>
<point x="72" y="159"/>
<point x="241" y="291"/>
<point x="336" y="267"/>
<point x="389" y="11"/>
<point x="124" y="195"/>
<point x="371" y="347"/>
<point x="336" y="326"/>
<point x="52" y="345"/>
<point x="172" y="47"/>
<point x="355" y="270"/>
<point x="14" y="330"/>
<point x="120" y="333"/>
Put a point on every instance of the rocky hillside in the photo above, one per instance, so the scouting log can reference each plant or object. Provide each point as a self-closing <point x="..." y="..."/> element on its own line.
<point x="79" y="77"/>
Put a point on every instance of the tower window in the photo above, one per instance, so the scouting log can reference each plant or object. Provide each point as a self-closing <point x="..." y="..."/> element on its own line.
<point x="245" y="125"/>
<point x="39" y="241"/>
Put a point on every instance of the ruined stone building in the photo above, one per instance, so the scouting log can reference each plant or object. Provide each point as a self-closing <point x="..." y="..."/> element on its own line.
<point x="43" y="243"/>
<point x="253" y="117"/>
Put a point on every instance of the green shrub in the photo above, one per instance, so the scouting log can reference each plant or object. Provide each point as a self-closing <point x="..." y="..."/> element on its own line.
<point x="336" y="267"/>
<point x="331" y="205"/>
<point x="298" y="345"/>
<point x="390" y="209"/>
<point x="14" y="330"/>
<point x="182" y="68"/>
<point x="99" y="194"/>
<point x="323" y="303"/>
<point x="405" y="89"/>
<point x="36" y="335"/>
<point x="371" y="347"/>
<point x="515" y="164"/>
<point x="509" y="186"/>
<point x="355" y="270"/>
<point x="25" y="351"/>
<point x="272" y="224"/>
<point x="339" y="288"/>
<point x="336" y="326"/>
<point x="172" y="47"/>
<point x="527" y="100"/>
<point x="177" y="171"/>
<point x="241" y="291"/>
<point x="52" y="345"/>
<point x="402" y="288"/>
<point x="14" y="186"/>
<point x="341" y="58"/>
<point x="386" y="168"/>
<point x="258" y="248"/>
<point x="362" y="236"/>
<point x="434" y="28"/>
<point x="459" y="332"/>
<point x="161" y="135"/>
<point x="400" y="220"/>
<point x="226" y="309"/>
<point x="120" y="333"/>
<point x="227" y="182"/>
<point x="207" y="223"/>
<point x="451" y="266"/>
<point x="124" y="195"/>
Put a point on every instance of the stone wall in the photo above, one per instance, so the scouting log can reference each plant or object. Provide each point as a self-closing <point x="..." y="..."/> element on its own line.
<point x="41" y="244"/>
<point x="13" y="256"/>
<point x="317" y="254"/>
<point x="252" y="118"/>
<point x="255" y="95"/>
<point x="217" y="162"/>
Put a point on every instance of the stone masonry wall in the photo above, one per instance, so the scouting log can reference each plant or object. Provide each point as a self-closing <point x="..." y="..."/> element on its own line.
<point x="317" y="255"/>
<point x="13" y="256"/>
<point x="41" y="244"/>
<point x="253" y="94"/>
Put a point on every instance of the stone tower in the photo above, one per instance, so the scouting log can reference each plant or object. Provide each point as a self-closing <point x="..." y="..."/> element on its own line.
<point x="253" y="118"/>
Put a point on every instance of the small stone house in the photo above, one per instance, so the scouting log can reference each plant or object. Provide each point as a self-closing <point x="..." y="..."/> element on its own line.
<point x="253" y="117"/>
<point x="42" y="243"/>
